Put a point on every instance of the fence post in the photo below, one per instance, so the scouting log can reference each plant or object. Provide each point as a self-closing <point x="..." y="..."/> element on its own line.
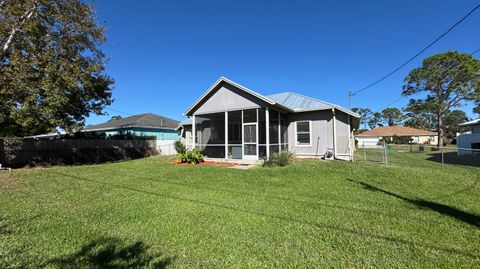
<point x="443" y="164"/>
<point x="364" y="153"/>
<point x="385" y="152"/>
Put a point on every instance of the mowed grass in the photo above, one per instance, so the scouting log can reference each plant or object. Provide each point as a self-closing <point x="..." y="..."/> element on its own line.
<point x="316" y="214"/>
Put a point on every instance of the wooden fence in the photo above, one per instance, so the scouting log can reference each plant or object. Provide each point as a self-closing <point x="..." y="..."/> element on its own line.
<point x="18" y="152"/>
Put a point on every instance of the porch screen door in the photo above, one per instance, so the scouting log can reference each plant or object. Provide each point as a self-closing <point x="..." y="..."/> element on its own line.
<point x="250" y="141"/>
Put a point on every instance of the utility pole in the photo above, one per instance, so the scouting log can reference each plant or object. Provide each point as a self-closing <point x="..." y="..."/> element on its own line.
<point x="350" y="94"/>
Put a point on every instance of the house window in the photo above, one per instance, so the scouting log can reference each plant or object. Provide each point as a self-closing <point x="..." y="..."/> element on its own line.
<point x="303" y="130"/>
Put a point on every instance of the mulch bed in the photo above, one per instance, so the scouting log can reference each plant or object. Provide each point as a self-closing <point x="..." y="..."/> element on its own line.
<point x="228" y="164"/>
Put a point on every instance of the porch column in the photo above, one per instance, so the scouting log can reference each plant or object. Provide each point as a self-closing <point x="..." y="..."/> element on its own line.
<point x="258" y="153"/>
<point x="243" y="144"/>
<point x="193" y="132"/>
<point x="226" y="135"/>
<point x="267" y="121"/>
<point x="279" y="133"/>
<point x="334" y="133"/>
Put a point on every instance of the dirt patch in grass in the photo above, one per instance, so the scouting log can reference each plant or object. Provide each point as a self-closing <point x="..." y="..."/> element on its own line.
<point x="8" y="181"/>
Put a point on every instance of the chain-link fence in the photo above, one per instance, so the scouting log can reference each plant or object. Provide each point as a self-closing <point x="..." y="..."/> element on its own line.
<point x="419" y="155"/>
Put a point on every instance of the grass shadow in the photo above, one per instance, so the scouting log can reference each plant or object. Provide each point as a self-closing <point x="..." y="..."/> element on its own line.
<point x="111" y="253"/>
<point x="446" y="210"/>
<point x="280" y="218"/>
<point x="453" y="158"/>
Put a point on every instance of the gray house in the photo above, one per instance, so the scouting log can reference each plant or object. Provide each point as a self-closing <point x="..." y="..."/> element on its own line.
<point x="230" y="121"/>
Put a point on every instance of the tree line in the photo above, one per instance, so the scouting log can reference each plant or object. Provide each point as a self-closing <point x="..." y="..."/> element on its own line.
<point x="52" y="75"/>
<point x="445" y="81"/>
<point x="410" y="116"/>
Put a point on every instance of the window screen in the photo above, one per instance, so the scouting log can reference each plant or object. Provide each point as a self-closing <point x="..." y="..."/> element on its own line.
<point x="303" y="133"/>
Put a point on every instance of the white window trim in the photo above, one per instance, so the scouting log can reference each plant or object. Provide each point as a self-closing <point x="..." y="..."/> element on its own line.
<point x="309" y="134"/>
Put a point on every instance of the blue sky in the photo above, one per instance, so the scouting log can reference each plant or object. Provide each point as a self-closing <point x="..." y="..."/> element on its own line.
<point x="165" y="54"/>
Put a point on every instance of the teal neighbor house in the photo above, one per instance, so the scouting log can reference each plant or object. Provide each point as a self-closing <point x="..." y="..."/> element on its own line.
<point x="148" y="124"/>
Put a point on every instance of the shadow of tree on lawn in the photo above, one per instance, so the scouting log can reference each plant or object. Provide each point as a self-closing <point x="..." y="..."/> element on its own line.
<point x="274" y="217"/>
<point x="453" y="158"/>
<point x="111" y="253"/>
<point x="446" y="210"/>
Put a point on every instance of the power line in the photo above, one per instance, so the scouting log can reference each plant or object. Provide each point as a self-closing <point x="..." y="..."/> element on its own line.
<point x="391" y="103"/>
<point x="402" y="97"/>
<point x="416" y="55"/>
<point x="118" y="111"/>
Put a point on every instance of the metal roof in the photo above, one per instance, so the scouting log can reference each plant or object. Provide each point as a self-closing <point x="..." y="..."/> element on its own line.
<point x="301" y="103"/>
<point x="296" y="101"/>
<point x="287" y="100"/>
<point x="147" y="120"/>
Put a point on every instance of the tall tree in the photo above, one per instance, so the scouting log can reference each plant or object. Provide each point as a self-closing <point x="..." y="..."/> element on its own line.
<point x="446" y="80"/>
<point x="476" y="100"/>
<point x="452" y="120"/>
<point x="392" y="115"/>
<point x="365" y="115"/>
<point x="116" y="117"/>
<point x="376" y="120"/>
<point x="420" y="115"/>
<point x="52" y="71"/>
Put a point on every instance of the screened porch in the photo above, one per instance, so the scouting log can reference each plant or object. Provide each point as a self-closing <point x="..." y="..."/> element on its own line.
<point x="250" y="134"/>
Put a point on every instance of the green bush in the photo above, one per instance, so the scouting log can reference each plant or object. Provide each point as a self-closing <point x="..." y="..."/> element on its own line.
<point x="396" y="140"/>
<point x="280" y="159"/>
<point x="120" y="135"/>
<point x="191" y="156"/>
<point x="180" y="147"/>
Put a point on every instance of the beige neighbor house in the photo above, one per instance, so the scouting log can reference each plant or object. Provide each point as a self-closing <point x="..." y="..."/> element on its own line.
<point x="232" y="122"/>
<point x="372" y="138"/>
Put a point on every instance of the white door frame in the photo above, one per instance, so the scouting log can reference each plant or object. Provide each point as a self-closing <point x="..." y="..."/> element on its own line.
<point x="250" y="157"/>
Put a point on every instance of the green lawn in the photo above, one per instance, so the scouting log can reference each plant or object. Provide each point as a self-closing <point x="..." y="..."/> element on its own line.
<point x="313" y="214"/>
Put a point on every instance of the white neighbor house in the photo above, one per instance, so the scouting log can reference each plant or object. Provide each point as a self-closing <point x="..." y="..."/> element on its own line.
<point x="469" y="140"/>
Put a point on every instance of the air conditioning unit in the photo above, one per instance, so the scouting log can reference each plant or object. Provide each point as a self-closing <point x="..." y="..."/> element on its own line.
<point x="328" y="155"/>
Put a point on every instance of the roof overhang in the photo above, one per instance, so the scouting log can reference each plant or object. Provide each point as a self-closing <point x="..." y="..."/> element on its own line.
<point x="346" y="111"/>
<point x="470" y="123"/>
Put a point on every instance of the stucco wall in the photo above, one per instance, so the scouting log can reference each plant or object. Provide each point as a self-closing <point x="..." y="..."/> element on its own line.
<point x="343" y="134"/>
<point x="321" y="133"/>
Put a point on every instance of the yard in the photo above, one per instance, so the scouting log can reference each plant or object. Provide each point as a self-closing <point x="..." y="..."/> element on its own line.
<point x="148" y="212"/>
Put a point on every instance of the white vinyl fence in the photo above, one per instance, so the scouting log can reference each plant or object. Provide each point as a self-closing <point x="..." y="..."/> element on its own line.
<point x="166" y="147"/>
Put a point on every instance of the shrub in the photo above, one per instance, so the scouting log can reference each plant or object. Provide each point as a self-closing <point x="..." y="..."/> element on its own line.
<point x="396" y="140"/>
<point x="120" y="135"/>
<point x="191" y="156"/>
<point x="281" y="159"/>
<point x="180" y="147"/>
